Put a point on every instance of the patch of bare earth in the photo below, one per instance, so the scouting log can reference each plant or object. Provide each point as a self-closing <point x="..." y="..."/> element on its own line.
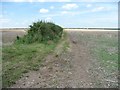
<point x="9" y="36"/>
<point x="54" y="72"/>
<point x="74" y="68"/>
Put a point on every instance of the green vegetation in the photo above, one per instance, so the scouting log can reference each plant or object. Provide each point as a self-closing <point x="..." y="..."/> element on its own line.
<point x="107" y="53"/>
<point x="63" y="45"/>
<point x="27" y="52"/>
<point x="42" y="32"/>
<point x="104" y="49"/>
<point x="66" y="43"/>
<point x="19" y="59"/>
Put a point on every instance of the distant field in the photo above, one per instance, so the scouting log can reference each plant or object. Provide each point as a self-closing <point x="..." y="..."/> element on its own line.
<point x="103" y="50"/>
<point x="8" y="36"/>
<point x="77" y="29"/>
<point x="95" y="28"/>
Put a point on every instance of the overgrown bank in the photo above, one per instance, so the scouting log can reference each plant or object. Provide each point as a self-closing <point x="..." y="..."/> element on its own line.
<point x="42" y="32"/>
<point x="27" y="52"/>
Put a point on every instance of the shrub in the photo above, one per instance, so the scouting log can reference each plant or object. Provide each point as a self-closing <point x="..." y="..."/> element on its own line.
<point x="42" y="31"/>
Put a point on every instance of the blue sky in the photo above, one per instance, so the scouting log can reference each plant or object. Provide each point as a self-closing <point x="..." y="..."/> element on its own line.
<point x="66" y="14"/>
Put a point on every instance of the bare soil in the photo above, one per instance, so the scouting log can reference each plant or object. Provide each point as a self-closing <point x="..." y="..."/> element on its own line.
<point x="72" y="69"/>
<point x="9" y="36"/>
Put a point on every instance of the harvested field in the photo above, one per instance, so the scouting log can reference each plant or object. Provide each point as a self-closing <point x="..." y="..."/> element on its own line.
<point x="8" y="36"/>
<point x="91" y="61"/>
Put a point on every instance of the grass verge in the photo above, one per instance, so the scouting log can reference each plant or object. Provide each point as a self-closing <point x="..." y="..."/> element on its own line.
<point x="19" y="59"/>
<point x="22" y="58"/>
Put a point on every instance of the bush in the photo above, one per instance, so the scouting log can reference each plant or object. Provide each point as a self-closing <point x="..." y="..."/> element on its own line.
<point x="42" y="31"/>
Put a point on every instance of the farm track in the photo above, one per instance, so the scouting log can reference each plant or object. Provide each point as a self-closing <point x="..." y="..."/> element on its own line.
<point x="69" y="69"/>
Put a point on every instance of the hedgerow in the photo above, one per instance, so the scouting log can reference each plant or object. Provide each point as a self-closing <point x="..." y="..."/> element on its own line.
<point x="42" y="31"/>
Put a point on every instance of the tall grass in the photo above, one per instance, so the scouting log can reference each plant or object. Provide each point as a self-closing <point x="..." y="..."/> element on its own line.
<point x="21" y="58"/>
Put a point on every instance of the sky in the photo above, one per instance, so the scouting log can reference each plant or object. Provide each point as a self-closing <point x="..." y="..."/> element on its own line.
<point x="68" y="14"/>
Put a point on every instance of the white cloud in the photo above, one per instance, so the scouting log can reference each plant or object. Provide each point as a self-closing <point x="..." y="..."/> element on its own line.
<point x="4" y="20"/>
<point x="60" y="0"/>
<point x="52" y="0"/>
<point x="64" y="12"/>
<point x="69" y="13"/>
<point x="43" y="10"/>
<point x="89" y="5"/>
<point x="98" y="9"/>
<point x="1" y="15"/>
<point x="52" y="7"/>
<point x="51" y="15"/>
<point x="17" y="0"/>
<point x="49" y="19"/>
<point x="70" y="6"/>
<point x="35" y="0"/>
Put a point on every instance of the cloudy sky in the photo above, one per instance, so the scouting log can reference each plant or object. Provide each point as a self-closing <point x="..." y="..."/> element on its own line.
<point x="21" y="13"/>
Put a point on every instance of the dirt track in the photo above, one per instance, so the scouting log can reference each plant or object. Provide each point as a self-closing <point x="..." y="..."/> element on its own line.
<point x="72" y="69"/>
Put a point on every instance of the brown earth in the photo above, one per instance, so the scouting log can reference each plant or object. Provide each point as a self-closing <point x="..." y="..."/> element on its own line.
<point x="74" y="68"/>
<point x="9" y="36"/>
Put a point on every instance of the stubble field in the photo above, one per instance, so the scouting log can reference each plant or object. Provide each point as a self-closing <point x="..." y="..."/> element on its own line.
<point x="88" y="59"/>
